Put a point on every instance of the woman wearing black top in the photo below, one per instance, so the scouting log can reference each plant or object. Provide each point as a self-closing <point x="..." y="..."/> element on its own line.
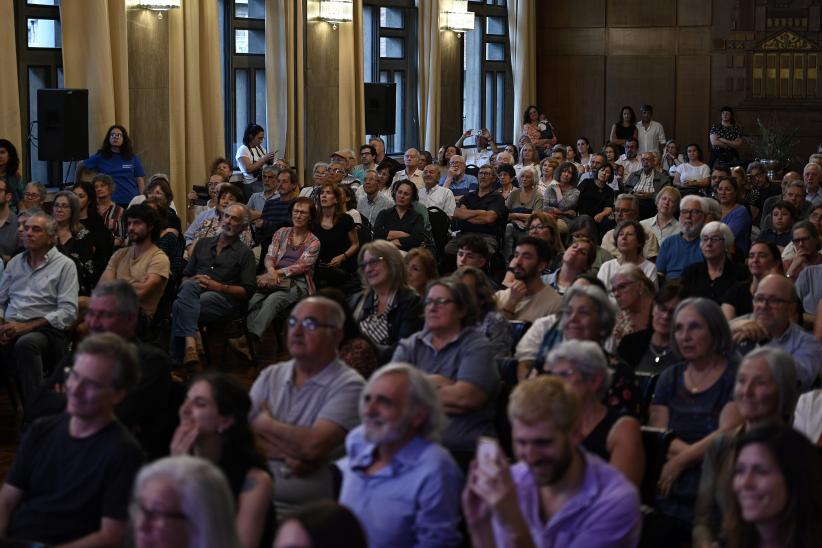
<point x="596" y="197"/>
<point x="401" y="225"/>
<point x="338" y="238"/>
<point x="102" y="239"/>
<point x="74" y="240"/>
<point x="624" y="128"/>
<point x="763" y="259"/>
<point x="214" y="426"/>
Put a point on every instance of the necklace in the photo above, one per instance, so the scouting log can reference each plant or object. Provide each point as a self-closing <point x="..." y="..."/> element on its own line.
<point x="696" y="385"/>
<point x="658" y="355"/>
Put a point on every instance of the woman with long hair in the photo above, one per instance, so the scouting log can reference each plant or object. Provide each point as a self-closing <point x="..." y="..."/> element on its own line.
<point x="401" y="225"/>
<point x="214" y="426"/>
<point x="116" y="158"/>
<point x="491" y="322"/>
<point x="338" y="237"/>
<point x="694" y="175"/>
<point x="251" y="157"/>
<point x="763" y="259"/>
<point x="726" y="139"/>
<point x="624" y="128"/>
<point x="420" y="268"/>
<point x="583" y="152"/>
<point x="386" y="309"/>
<point x="734" y="214"/>
<point x="629" y="239"/>
<point x="528" y="159"/>
<point x="562" y="195"/>
<point x="10" y="170"/>
<point x="74" y="240"/>
<point x="102" y="239"/>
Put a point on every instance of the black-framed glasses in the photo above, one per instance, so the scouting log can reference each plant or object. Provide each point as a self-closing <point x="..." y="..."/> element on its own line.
<point x="309" y="323"/>
<point x="439" y="301"/>
<point x="713" y="239"/>
<point x="371" y="262"/>
<point x="801" y="240"/>
<point x="767" y="300"/>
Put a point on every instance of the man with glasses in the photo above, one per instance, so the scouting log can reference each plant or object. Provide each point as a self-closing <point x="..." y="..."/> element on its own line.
<point x="368" y="155"/>
<point x="38" y="303"/>
<point x="481" y="212"/>
<point x="459" y="182"/>
<point x="626" y="208"/>
<point x="347" y="160"/>
<point x="770" y="324"/>
<point x="680" y="250"/>
<point x="72" y="474"/>
<point x="8" y="223"/>
<point x="812" y="176"/>
<point x="218" y="281"/>
<point x="434" y="195"/>
<point x="302" y="409"/>
<point x="484" y="150"/>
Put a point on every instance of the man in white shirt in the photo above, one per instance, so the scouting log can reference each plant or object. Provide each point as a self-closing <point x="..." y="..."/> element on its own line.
<point x="812" y="175"/>
<point x="485" y="148"/>
<point x="650" y="133"/>
<point x="411" y="173"/>
<point x="370" y="201"/>
<point x="433" y="195"/>
<point x="629" y="161"/>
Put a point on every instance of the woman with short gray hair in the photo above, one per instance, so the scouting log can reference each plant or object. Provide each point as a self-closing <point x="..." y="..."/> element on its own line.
<point x="74" y="240"/>
<point x="717" y="273"/>
<point x="610" y="433"/>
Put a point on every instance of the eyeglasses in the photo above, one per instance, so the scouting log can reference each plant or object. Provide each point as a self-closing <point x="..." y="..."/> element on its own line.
<point x="76" y="379"/>
<point x="769" y="301"/>
<point x="566" y="374"/>
<point x="691" y="212"/>
<point x="308" y="323"/>
<point x="61" y="206"/>
<point x="623" y="210"/>
<point x="336" y="170"/>
<point x="31" y="195"/>
<point x="371" y="262"/>
<point x="621" y="287"/>
<point x="801" y="240"/>
<point x="664" y="310"/>
<point x="439" y="301"/>
<point x="536" y="227"/>
<point x="713" y="239"/>
<point x="455" y="164"/>
<point x="137" y="507"/>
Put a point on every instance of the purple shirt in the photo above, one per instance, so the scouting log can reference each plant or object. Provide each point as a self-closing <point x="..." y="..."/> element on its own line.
<point x="603" y="514"/>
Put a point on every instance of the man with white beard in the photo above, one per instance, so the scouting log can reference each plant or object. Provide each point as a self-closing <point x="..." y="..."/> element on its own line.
<point x="402" y="485"/>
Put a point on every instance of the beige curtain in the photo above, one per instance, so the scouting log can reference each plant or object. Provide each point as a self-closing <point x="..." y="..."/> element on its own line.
<point x="196" y="125"/>
<point x="352" y="92"/>
<point x="95" y="57"/>
<point x="522" y="35"/>
<point x="9" y="92"/>
<point x="429" y="74"/>
<point x="285" y="82"/>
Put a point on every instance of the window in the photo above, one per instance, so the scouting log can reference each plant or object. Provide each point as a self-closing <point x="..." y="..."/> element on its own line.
<point x="390" y="56"/>
<point x="40" y="65"/>
<point x="488" y="91"/>
<point x="242" y="46"/>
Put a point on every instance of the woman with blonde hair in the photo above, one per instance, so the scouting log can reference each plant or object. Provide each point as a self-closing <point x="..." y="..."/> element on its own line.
<point x="386" y="310"/>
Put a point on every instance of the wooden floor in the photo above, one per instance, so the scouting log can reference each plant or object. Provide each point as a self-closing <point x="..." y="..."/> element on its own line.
<point x="222" y="358"/>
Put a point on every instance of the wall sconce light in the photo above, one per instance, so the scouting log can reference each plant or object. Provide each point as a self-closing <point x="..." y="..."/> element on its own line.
<point x="332" y="11"/>
<point x="457" y="18"/>
<point x="154" y="5"/>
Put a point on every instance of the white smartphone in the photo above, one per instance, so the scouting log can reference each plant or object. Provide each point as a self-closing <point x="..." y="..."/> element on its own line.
<point x="489" y="455"/>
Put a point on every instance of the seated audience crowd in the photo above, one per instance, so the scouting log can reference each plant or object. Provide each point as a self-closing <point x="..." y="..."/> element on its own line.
<point x="532" y="344"/>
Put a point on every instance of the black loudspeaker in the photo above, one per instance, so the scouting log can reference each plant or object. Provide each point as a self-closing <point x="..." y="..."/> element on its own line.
<point x="380" y="108"/>
<point x="62" y="124"/>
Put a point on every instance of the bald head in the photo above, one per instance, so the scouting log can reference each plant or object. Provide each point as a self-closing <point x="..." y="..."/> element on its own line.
<point x="773" y="303"/>
<point x="791" y="176"/>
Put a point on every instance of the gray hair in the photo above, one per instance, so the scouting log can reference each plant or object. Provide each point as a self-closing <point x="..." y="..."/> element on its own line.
<point x="712" y="208"/>
<point x="458" y="157"/>
<point x="816" y="158"/>
<point x="587" y="358"/>
<point x="334" y="312"/>
<point x="812" y="165"/>
<point x="693" y="198"/>
<point x="246" y="212"/>
<point x="123" y="292"/>
<point x="269" y="169"/>
<point x="606" y="310"/>
<point x="783" y="368"/>
<point x="723" y="229"/>
<point x="630" y="198"/>
<point x="421" y="394"/>
<point x="756" y="165"/>
<point x="40" y="188"/>
<point x="119" y="351"/>
<point x="318" y="164"/>
<point x="713" y="317"/>
<point x="634" y="273"/>
<point x="205" y="498"/>
<point x="672" y="190"/>
<point x="796" y="183"/>
<point x="463" y="299"/>
<point x="51" y="224"/>
<point x="104" y="178"/>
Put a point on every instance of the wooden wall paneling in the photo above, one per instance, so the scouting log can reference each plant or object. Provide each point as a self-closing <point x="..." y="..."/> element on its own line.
<point x="637" y="79"/>
<point x="574" y="96"/>
<point x="641" y="13"/>
<point x="693" y="99"/>
<point x="570" y="13"/>
<point x="693" y="13"/>
<point x="641" y="41"/>
<point x="694" y="41"/>
<point x="450" y="84"/>
<point x="148" y="89"/>
<point x="588" y="41"/>
<point x="321" y="92"/>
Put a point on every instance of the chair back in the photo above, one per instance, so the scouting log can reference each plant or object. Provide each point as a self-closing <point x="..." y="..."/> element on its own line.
<point x="656" y="442"/>
<point x="440" y="224"/>
<point x="646" y="382"/>
<point x="472" y="169"/>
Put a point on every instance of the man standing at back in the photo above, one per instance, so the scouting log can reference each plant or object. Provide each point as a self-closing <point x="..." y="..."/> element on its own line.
<point x="650" y="134"/>
<point x="71" y="477"/>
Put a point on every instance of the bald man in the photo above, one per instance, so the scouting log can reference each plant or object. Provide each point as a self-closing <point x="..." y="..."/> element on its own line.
<point x="774" y="303"/>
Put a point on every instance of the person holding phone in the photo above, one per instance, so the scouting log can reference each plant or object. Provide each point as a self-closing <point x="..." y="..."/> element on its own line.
<point x="251" y="157"/>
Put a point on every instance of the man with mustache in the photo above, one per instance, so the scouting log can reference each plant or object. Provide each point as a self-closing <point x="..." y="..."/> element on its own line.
<point x="680" y="250"/>
<point x="556" y="494"/>
<point x="394" y="462"/>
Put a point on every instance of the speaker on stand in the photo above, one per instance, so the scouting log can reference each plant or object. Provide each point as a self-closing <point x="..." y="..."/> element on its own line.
<point x="380" y="108"/>
<point x="62" y="125"/>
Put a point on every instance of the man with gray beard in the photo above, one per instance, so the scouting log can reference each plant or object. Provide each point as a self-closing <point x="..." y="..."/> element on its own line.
<point x="402" y="485"/>
<point x="680" y="250"/>
<point x="218" y="281"/>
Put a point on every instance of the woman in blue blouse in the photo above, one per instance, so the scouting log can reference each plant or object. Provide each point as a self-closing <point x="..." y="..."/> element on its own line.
<point x="116" y="158"/>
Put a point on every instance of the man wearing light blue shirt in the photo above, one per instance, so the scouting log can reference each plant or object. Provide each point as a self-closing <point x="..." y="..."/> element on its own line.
<point x="402" y="485"/>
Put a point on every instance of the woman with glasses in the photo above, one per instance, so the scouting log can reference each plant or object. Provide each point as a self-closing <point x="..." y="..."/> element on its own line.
<point x="183" y="502"/>
<point x="650" y="349"/>
<point x="214" y="426"/>
<point x="717" y="273"/>
<point x="116" y="158"/>
<point x="634" y="295"/>
<point x="765" y="392"/>
<point x="629" y="240"/>
<point x="610" y="434"/>
<point x="386" y="310"/>
<point x="543" y="226"/>
<point x="763" y="259"/>
<point x="289" y="264"/>
<point x="693" y="398"/>
<point x="318" y="175"/>
<point x="34" y="197"/>
<point x="457" y="357"/>
<point x="74" y="240"/>
<point x="805" y="239"/>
